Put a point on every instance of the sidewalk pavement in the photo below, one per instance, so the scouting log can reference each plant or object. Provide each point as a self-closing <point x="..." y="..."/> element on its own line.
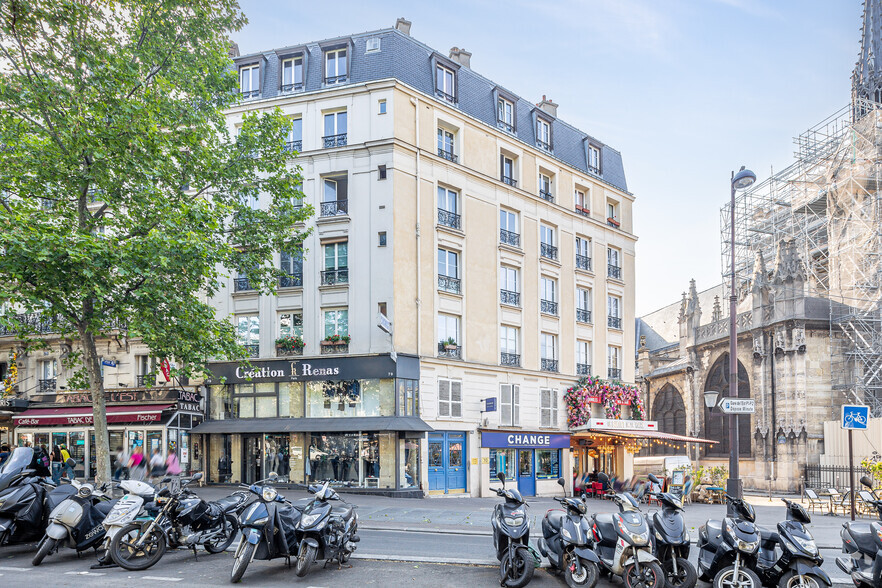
<point x="471" y="516"/>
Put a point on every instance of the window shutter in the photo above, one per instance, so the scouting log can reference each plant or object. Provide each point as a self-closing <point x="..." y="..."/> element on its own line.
<point x="553" y="408"/>
<point x="544" y="404"/>
<point x="505" y="404"/>
<point x="456" y="399"/>
<point x="443" y="397"/>
<point x="516" y="405"/>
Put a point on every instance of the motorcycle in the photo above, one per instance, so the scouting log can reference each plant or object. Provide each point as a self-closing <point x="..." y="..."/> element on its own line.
<point x="727" y="549"/>
<point x="670" y="540"/>
<point x="185" y="520"/>
<point x="138" y="503"/>
<point x="511" y="537"/>
<point x="76" y="522"/>
<point x="621" y="542"/>
<point x="325" y="532"/>
<point x="268" y="527"/>
<point x="862" y="542"/>
<point x="799" y="562"/>
<point x="565" y="542"/>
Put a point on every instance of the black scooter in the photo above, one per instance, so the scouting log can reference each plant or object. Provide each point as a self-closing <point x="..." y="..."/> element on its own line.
<point x="670" y="540"/>
<point x="789" y="557"/>
<point x="566" y="542"/>
<point x="511" y="537"/>
<point x="728" y="549"/>
<point x="863" y="544"/>
<point x="269" y="527"/>
<point x="326" y="532"/>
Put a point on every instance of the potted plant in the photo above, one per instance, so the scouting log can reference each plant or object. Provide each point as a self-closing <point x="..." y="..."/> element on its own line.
<point x="449" y="344"/>
<point x="336" y="339"/>
<point x="289" y="344"/>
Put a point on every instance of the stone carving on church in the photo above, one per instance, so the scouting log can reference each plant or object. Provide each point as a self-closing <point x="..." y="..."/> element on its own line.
<point x="718" y="311"/>
<point x="758" y="346"/>
<point x="780" y="339"/>
<point x="788" y="266"/>
<point x="799" y="338"/>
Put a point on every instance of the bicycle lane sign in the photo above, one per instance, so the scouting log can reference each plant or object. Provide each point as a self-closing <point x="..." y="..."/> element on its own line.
<point x="855" y="416"/>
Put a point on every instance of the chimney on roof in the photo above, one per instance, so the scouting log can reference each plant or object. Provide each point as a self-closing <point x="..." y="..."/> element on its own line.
<point x="403" y="25"/>
<point x="548" y="106"/>
<point x="461" y="56"/>
<point x="234" y="49"/>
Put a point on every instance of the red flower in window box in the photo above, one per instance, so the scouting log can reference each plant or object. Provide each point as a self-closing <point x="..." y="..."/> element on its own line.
<point x="613" y="222"/>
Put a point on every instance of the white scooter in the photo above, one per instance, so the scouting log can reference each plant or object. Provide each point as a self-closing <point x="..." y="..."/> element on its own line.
<point x="140" y="500"/>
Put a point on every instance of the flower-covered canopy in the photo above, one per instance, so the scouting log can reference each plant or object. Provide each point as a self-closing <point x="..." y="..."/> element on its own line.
<point x="613" y="395"/>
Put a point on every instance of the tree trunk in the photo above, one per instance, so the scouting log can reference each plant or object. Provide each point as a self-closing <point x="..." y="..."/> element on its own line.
<point x="99" y="406"/>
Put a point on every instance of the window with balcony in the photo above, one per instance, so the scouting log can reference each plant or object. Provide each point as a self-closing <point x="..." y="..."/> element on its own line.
<point x="449" y="340"/>
<point x="48" y="376"/>
<point x="545" y="187"/>
<point x="336" y="330"/>
<point x="449" y="398"/>
<point x="614" y="362"/>
<point x="614" y="312"/>
<point x="507" y="171"/>
<point x="335" y="129"/>
<point x="583" y="305"/>
<point x="583" y="202"/>
<point x="543" y="135"/>
<point x="335" y="193"/>
<point x="336" y="264"/>
<point x="448" y="208"/>
<point x="291" y="266"/>
<point x="446" y="143"/>
<point x="292" y="74"/>
<point x="241" y="283"/>
<point x="583" y="358"/>
<point x="248" y="333"/>
<point x="505" y="115"/>
<point x="336" y="66"/>
<point x="249" y="81"/>
<point x="547" y="407"/>
<point x="145" y="371"/>
<point x="547" y="247"/>
<point x="583" y="253"/>
<point x="448" y="271"/>
<point x="509" y="405"/>
<point x="294" y="142"/>
<point x="445" y="83"/>
<point x="593" y="159"/>
<point x="548" y="352"/>
<point x="548" y="296"/>
<point x="509" y="231"/>
<point x="613" y="263"/>
<point x="508" y="346"/>
<point x="290" y="324"/>
<point x="612" y="214"/>
<point x="509" y="287"/>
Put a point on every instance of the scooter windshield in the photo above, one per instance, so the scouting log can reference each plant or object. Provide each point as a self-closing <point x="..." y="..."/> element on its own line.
<point x="19" y="460"/>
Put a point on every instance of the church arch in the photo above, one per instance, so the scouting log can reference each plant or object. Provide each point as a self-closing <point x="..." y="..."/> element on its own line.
<point x="670" y="412"/>
<point x="716" y="425"/>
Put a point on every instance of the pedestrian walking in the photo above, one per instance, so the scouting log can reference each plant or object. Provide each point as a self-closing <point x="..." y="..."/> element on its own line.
<point x="4" y="453"/>
<point x="56" y="464"/>
<point x="69" y="463"/>
<point x="122" y="465"/>
<point x="157" y="466"/>
<point x="172" y="464"/>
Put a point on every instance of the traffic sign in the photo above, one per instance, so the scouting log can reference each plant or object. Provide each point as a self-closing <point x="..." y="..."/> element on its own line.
<point x="738" y="405"/>
<point x="855" y="416"/>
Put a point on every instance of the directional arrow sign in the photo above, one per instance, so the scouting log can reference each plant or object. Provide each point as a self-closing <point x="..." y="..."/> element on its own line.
<point x="738" y="405"/>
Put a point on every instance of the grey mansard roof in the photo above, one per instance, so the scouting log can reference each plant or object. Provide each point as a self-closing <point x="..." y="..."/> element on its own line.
<point x="410" y="61"/>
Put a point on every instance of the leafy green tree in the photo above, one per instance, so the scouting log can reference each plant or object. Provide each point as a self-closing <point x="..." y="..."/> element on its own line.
<point x="126" y="203"/>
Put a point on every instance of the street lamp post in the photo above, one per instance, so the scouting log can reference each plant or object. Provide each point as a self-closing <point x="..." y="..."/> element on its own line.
<point x="741" y="180"/>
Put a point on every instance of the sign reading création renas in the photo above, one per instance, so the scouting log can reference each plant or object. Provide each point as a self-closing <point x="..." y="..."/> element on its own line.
<point x="319" y="368"/>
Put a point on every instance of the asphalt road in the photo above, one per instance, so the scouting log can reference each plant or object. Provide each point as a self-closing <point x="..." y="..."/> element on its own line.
<point x="435" y="559"/>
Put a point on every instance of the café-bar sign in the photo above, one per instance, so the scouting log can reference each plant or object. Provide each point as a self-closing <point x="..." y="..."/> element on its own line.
<point x="320" y="368"/>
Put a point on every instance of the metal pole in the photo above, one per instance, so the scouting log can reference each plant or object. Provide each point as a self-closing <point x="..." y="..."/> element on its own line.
<point x="851" y="471"/>
<point x="733" y="484"/>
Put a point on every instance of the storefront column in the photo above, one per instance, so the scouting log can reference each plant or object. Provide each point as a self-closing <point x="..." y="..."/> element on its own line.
<point x="624" y="463"/>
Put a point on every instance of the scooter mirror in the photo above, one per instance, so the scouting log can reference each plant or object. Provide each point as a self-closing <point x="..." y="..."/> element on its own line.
<point x="272" y="476"/>
<point x="602" y="477"/>
<point x="653" y="479"/>
<point x="866" y="481"/>
<point x="197" y="476"/>
<point x="562" y="482"/>
<point x="501" y="477"/>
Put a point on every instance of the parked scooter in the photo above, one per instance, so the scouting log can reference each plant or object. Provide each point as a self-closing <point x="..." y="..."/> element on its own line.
<point x="566" y="542"/>
<point x="670" y="540"/>
<point x="138" y="503"/>
<point x="326" y="532"/>
<point x="268" y="527"/>
<point x="863" y="544"/>
<point x="728" y="549"/>
<point x="76" y="522"/>
<point x="621" y="541"/>
<point x="799" y="562"/>
<point x="511" y="537"/>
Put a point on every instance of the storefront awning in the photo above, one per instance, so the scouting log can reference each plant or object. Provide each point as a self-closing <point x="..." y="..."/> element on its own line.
<point x="314" y="425"/>
<point x="640" y="435"/>
<point x="82" y="415"/>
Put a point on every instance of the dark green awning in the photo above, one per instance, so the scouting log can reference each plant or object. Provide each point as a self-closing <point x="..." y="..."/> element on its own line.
<point x="314" y="425"/>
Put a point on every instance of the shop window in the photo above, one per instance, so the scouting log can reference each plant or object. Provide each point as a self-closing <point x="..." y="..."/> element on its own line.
<point x="547" y="407"/>
<point x="502" y="460"/>
<point x="409" y="397"/>
<point x="450" y="398"/>
<point x="510" y="405"/>
<point x="410" y="458"/>
<point x="290" y="399"/>
<point x="219" y="403"/>
<point x="348" y="398"/>
<point x="548" y="464"/>
<point x="362" y="460"/>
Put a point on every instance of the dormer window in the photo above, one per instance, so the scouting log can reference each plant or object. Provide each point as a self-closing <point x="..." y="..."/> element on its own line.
<point x="505" y="115"/>
<point x="445" y="83"/>
<point x="335" y="66"/>
<point x="543" y="135"/>
<point x="292" y="74"/>
<point x="249" y="81"/>
<point x="593" y="159"/>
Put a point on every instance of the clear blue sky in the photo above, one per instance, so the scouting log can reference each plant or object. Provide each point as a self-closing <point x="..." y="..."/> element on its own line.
<point x="687" y="90"/>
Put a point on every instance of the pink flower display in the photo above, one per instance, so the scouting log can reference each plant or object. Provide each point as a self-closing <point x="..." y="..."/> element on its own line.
<point x="613" y="395"/>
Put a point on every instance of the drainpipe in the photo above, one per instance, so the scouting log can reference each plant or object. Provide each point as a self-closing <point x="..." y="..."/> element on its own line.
<point x="416" y="104"/>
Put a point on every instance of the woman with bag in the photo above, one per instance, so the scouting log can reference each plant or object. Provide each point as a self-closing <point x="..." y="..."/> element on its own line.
<point x="157" y="466"/>
<point x="172" y="464"/>
<point x="137" y="464"/>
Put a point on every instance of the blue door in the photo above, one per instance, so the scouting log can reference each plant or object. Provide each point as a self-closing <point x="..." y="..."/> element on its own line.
<point x="447" y="462"/>
<point x="526" y="477"/>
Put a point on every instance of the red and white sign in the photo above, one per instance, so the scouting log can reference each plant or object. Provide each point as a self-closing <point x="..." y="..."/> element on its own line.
<point x="622" y="424"/>
<point x="165" y="367"/>
<point x="83" y="415"/>
<point x="594" y="399"/>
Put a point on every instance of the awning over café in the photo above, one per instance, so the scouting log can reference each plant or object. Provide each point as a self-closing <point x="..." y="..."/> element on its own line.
<point x="635" y="434"/>
<point x="313" y="425"/>
<point x="82" y="415"/>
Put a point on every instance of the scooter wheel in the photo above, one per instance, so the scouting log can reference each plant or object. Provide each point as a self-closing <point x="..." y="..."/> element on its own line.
<point x="684" y="577"/>
<point x="304" y="560"/>
<point x="650" y="575"/>
<point x="45" y="548"/>
<point x="588" y="577"/>
<point x="747" y="578"/>
<point x="793" y="580"/>
<point x="517" y="573"/>
<point x="241" y="563"/>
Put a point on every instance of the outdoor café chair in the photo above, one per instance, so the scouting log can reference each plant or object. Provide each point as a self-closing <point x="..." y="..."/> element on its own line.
<point x="864" y="504"/>
<point x="814" y="500"/>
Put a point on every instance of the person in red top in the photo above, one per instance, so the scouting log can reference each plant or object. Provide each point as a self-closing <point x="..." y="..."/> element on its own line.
<point x="137" y="464"/>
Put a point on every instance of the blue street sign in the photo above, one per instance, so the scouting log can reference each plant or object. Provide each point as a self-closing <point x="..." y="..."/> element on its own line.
<point x="490" y="405"/>
<point x="855" y="416"/>
<point x="108" y="362"/>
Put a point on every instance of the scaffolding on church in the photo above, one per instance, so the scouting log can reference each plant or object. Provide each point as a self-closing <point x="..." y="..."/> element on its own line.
<point x="829" y="204"/>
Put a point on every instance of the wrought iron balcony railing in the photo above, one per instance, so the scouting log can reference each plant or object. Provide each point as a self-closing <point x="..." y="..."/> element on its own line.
<point x="583" y="315"/>
<point x="334" y="140"/>
<point x="549" y="365"/>
<point x="335" y="79"/>
<point x="614" y="271"/>
<point x="509" y="297"/>
<point x="291" y="87"/>
<point x="335" y="208"/>
<point x="508" y="127"/>
<point x="47" y="386"/>
<point x="583" y="262"/>
<point x="292" y="146"/>
<point x="614" y="373"/>
<point x="510" y="359"/>
<point x="548" y="251"/>
<point x="449" y="284"/>
<point x="248" y="94"/>
<point x="445" y="96"/>
<point x="145" y="380"/>
<point x="449" y="219"/>
<point x="509" y="238"/>
<point x="614" y="322"/>
<point x="594" y="169"/>
<point x="583" y="212"/>
<point x="452" y="352"/>
<point x="34" y="322"/>
<point x="510" y="181"/>
<point x="242" y="284"/>
<point x="335" y="349"/>
<point x="448" y="155"/>
<point x="335" y="276"/>
<point x="545" y="195"/>
<point x="291" y="281"/>
<point x="583" y="369"/>
<point x="543" y="145"/>
<point x="548" y="306"/>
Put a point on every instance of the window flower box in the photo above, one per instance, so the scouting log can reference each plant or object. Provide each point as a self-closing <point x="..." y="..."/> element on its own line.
<point x="333" y="340"/>
<point x="613" y="222"/>
<point x="449" y="344"/>
<point x="289" y="345"/>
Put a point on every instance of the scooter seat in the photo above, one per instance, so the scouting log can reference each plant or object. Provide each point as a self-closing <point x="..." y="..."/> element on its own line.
<point x="555" y="519"/>
<point x="714" y="531"/>
<point x="862" y="533"/>
<point x="105" y="506"/>
<point x="768" y="535"/>
<point x="227" y="503"/>
<point x="606" y="526"/>
<point x="344" y="511"/>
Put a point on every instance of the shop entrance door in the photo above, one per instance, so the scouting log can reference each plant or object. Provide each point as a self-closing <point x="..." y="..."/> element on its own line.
<point x="447" y="462"/>
<point x="251" y="458"/>
<point x="526" y="479"/>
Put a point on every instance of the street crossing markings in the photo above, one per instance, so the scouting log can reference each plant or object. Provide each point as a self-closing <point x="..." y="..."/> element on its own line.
<point x="161" y="578"/>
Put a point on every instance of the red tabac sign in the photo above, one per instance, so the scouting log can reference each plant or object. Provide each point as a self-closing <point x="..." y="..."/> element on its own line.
<point x="83" y="415"/>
